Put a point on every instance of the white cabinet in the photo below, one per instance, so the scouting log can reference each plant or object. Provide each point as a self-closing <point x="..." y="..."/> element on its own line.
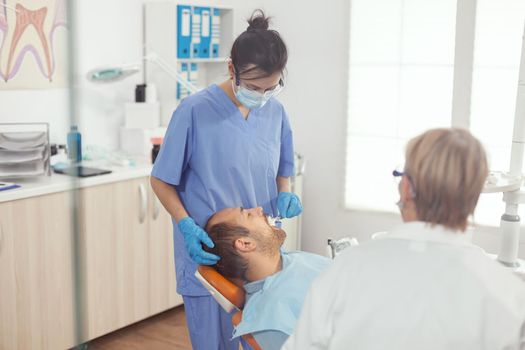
<point x="127" y="269"/>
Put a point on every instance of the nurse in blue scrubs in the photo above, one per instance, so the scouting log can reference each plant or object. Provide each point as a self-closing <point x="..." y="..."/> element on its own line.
<point x="229" y="145"/>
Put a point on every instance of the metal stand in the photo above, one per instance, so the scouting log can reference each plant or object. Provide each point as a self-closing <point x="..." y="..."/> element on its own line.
<point x="510" y="220"/>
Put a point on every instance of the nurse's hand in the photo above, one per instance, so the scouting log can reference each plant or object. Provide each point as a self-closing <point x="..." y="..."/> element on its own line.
<point x="289" y="205"/>
<point x="194" y="237"/>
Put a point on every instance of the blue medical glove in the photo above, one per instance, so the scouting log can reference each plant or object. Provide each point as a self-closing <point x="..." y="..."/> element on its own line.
<point x="289" y="205"/>
<point x="194" y="237"/>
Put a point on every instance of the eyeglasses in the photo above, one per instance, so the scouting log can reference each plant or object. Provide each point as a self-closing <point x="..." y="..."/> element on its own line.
<point x="271" y="92"/>
<point x="267" y="93"/>
<point x="399" y="174"/>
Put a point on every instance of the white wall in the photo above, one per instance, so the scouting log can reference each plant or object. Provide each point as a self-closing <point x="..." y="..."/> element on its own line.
<point x="315" y="97"/>
<point x="24" y="106"/>
<point x="109" y="32"/>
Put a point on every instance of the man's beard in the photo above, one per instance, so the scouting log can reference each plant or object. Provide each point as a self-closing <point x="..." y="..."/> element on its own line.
<point x="270" y="244"/>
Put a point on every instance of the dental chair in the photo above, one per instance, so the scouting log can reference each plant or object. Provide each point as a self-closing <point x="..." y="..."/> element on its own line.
<point x="229" y="296"/>
<point x="336" y="246"/>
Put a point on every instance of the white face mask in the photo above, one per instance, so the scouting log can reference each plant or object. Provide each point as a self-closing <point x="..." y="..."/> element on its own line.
<point x="253" y="99"/>
<point x="249" y="98"/>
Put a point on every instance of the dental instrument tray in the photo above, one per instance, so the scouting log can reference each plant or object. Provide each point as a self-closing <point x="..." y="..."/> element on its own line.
<point x="81" y="171"/>
<point x="24" y="150"/>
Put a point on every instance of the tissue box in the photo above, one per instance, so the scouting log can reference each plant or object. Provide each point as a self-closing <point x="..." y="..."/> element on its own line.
<point x="142" y="115"/>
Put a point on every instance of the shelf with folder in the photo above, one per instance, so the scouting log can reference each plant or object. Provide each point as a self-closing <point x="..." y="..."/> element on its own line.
<point x="182" y="29"/>
<point x="203" y="60"/>
<point x="194" y="37"/>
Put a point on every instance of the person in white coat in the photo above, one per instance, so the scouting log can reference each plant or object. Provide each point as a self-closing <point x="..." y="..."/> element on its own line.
<point x="423" y="285"/>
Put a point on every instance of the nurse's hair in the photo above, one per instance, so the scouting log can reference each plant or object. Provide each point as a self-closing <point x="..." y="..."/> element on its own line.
<point x="259" y="48"/>
<point x="447" y="168"/>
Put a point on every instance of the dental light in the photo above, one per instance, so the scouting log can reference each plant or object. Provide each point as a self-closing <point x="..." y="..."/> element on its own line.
<point x="117" y="73"/>
<point x="111" y="74"/>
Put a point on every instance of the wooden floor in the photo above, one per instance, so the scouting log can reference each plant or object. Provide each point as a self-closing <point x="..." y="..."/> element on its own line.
<point x="167" y="331"/>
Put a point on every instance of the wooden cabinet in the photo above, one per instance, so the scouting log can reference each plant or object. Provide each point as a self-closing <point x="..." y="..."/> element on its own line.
<point x="127" y="249"/>
<point x="162" y="281"/>
<point x="36" y="274"/>
<point x="127" y="270"/>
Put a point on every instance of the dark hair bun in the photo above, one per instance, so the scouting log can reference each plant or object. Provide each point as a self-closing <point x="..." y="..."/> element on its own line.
<point x="259" y="47"/>
<point x="258" y="21"/>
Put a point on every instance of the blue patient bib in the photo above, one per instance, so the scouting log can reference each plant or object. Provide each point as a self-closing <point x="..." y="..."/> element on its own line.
<point x="275" y="302"/>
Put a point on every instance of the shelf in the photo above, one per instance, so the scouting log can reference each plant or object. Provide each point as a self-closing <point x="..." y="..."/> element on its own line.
<point x="160" y="37"/>
<point x="39" y="186"/>
<point x="203" y="60"/>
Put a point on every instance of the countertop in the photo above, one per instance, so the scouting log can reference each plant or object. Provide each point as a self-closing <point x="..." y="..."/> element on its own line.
<point x="42" y="185"/>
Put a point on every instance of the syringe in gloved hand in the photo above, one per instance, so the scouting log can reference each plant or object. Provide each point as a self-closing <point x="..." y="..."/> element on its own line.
<point x="275" y="221"/>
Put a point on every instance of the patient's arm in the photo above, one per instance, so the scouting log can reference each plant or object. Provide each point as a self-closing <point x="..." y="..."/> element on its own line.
<point x="270" y="340"/>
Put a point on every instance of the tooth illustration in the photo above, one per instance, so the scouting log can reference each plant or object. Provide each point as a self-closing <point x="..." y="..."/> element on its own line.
<point x="26" y="34"/>
<point x="24" y="18"/>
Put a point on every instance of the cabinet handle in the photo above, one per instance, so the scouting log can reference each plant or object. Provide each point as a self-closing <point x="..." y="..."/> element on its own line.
<point x="156" y="207"/>
<point x="143" y="203"/>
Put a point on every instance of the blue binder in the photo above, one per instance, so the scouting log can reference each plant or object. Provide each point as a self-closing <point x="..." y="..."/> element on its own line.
<point x="205" y="44"/>
<point x="196" y="19"/>
<point x="215" y="32"/>
<point x="181" y="90"/>
<point x="183" y="31"/>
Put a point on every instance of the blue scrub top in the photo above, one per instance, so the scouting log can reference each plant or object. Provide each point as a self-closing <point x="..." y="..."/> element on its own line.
<point x="217" y="159"/>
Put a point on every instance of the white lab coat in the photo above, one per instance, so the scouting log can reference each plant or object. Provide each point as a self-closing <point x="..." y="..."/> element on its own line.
<point x="415" y="288"/>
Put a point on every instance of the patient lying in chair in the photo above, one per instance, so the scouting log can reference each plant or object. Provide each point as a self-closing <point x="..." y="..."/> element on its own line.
<point x="275" y="282"/>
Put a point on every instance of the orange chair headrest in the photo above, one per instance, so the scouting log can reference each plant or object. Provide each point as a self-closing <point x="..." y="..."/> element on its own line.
<point x="229" y="290"/>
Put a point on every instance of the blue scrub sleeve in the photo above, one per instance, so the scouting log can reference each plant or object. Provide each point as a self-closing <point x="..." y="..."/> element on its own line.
<point x="286" y="161"/>
<point x="176" y="148"/>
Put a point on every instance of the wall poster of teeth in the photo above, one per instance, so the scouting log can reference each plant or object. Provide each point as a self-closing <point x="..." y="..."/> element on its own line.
<point x="33" y="44"/>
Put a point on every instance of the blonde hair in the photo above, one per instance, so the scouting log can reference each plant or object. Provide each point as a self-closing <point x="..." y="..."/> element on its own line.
<point x="448" y="168"/>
